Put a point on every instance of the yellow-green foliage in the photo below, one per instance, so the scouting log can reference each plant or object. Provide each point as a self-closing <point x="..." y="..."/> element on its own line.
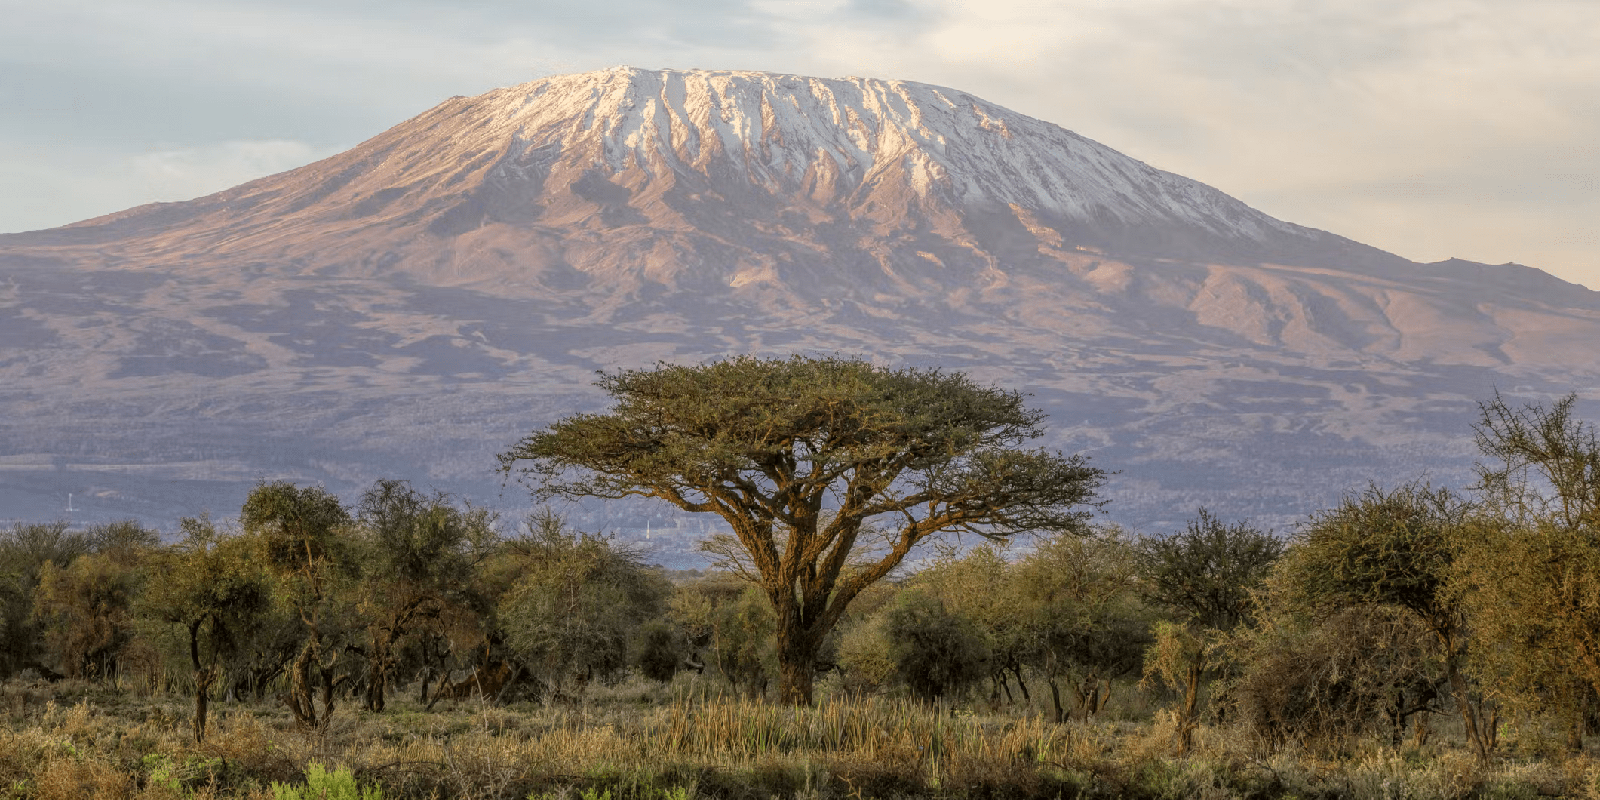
<point x="324" y="785"/>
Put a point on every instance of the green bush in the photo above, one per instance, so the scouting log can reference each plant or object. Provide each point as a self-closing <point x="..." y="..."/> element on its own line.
<point x="324" y="785"/>
<point x="934" y="651"/>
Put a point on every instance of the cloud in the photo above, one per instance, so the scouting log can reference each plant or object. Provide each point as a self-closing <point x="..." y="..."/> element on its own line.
<point x="191" y="172"/>
<point x="76" y="184"/>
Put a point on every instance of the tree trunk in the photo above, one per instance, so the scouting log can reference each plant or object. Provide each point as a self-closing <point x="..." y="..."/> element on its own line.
<point x="203" y="679"/>
<point x="1420" y="729"/>
<point x="1469" y="716"/>
<point x="329" y="685"/>
<point x="302" y="687"/>
<point x="1055" y="699"/>
<point x="1191" y="706"/>
<point x="797" y="656"/>
<point x="377" y="674"/>
<point x="794" y="682"/>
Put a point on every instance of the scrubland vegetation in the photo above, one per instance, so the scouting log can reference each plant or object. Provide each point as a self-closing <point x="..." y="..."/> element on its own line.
<point x="1413" y="641"/>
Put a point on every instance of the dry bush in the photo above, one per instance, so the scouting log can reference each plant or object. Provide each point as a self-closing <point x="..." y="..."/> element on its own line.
<point x="74" y="778"/>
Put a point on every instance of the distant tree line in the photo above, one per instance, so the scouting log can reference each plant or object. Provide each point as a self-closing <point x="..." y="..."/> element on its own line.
<point x="1395" y="606"/>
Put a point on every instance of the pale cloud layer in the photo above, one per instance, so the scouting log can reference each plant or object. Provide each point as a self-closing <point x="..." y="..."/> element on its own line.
<point x="1431" y="128"/>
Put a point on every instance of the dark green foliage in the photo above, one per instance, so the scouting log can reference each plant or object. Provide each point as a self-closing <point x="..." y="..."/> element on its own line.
<point x="83" y="603"/>
<point x="302" y="530"/>
<point x="124" y="540"/>
<point x="85" y="612"/>
<point x="25" y="549"/>
<point x="935" y="652"/>
<point x="420" y="552"/>
<point x="1206" y="572"/>
<point x="660" y="651"/>
<point x="768" y="443"/>
<point x="1395" y="549"/>
<point x="1081" y="619"/>
<point x="1322" y="679"/>
<point x="579" y="602"/>
<point x="1382" y="547"/>
<point x="304" y="536"/>
<point x="214" y="591"/>
<point x="729" y="623"/>
<point x="422" y="540"/>
<point x="1206" y="576"/>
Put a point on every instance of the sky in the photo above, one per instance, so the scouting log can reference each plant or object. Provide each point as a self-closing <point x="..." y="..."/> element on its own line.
<point x="1429" y="128"/>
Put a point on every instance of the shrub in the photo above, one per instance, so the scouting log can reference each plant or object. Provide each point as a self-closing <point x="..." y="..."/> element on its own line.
<point x="324" y="785"/>
<point x="934" y="651"/>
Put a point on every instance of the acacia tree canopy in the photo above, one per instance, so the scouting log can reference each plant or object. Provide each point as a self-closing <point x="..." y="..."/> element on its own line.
<point x="797" y="455"/>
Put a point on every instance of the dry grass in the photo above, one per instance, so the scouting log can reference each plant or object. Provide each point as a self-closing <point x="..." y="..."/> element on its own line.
<point x="75" y="742"/>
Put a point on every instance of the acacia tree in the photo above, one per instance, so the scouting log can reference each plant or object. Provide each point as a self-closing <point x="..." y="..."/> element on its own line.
<point x="1530" y="576"/>
<point x="305" y="542"/>
<point x="1394" y="549"/>
<point x="1206" y="574"/>
<point x="212" y="587"/>
<point x="422" y="551"/>
<point x="799" y="455"/>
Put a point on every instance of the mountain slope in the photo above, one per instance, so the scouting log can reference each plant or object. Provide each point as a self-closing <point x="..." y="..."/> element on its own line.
<point x="412" y="305"/>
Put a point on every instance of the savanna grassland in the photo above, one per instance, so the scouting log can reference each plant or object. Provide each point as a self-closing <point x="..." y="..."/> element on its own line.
<point x="1410" y="642"/>
<point x="637" y="741"/>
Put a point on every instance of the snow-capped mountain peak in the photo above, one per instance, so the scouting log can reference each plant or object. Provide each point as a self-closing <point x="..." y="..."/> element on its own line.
<point x="844" y="137"/>
<point x="807" y="165"/>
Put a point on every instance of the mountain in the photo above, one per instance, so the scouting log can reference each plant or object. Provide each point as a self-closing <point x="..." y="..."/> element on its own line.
<point x="412" y="306"/>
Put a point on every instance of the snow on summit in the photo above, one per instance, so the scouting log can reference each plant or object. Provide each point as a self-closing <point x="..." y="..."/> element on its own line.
<point x="844" y="136"/>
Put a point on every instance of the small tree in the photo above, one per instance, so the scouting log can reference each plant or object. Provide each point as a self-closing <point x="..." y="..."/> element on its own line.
<point x="1080" y="619"/>
<point x="85" y="603"/>
<point x="1319" y="678"/>
<point x="731" y="619"/>
<point x="305" y="541"/>
<point x="976" y="587"/>
<point x="85" y="609"/>
<point x="578" y="605"/>
<point x="212" y="586"/>
<point x="799" y="455"/>
<point x="1529" y="574"/>
<point x="421" y="551"/>
<point x="935" y="652"/>
<point x="659" y="650"/>
<point x="1206" y="575"/>
<point x="24" y="551"/>
<point x="1397" y="549"/>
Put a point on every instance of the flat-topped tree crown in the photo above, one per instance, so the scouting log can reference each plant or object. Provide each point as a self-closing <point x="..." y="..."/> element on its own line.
<point x="801" y="456"/>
